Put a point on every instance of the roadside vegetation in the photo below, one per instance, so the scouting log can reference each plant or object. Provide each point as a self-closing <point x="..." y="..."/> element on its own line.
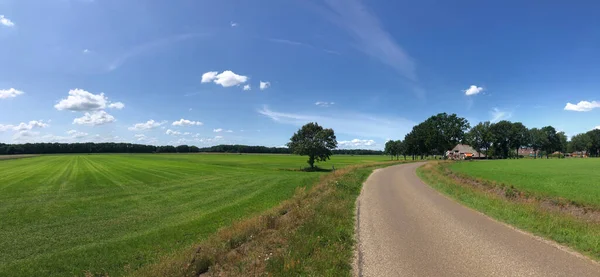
<point x="112" y="214"/>
<point x="311" y="234"/>
<point x="555" y="199"/>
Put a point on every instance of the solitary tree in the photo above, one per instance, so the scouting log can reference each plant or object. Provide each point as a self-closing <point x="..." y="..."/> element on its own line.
<point x="313" y="141"/>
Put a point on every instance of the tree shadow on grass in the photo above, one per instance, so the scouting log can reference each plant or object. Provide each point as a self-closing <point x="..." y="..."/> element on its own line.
<point x="308" y="169"/>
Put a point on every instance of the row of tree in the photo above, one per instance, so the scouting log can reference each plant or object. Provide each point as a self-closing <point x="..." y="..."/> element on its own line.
<point x="110" y="147"/>
<point x="502" y="139"/>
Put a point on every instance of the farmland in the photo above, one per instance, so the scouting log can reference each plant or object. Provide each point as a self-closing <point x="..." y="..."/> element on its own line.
<point x="72" y="214"/>
<point x="557" y="198"/>
<point x="572" y="179"/>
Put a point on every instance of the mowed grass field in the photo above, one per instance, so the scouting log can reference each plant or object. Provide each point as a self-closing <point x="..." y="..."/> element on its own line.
<point x="70" y="215"/>
<point x="574" y="179"/>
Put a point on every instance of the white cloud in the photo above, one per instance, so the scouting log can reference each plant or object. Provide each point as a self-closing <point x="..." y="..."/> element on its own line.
<point x="349" y="123"/>
<point x="9" y="93"/>
<point x="582" y="106"/>
<point x="209" y="76"/>
<point x="498" y="115"/>
<point x="172" y="133"/>
<point x="356" y="143"/>
<point x="76" y="134"/>
<point x="226" y="78"/>
<point x="218" y="130"/>
<point x="86" y="51"/>
<point x="81" y="100"/>
<point x="25" y="134"/>
<point x="116" y="105"/>
<point x="247" y="87"/>
<point x="218" y="137"/>
<point x="264" y="85"/>
<point x="34" y="124"/>
<point x="31" y="125"/>
<point x="229" y="131"/>
<point x="371" y="38"/>
<point x="324" y="104"/>
<point x="472" y="90"/>
<point x="597" y="127"/>
<point x="150" y="124"/>
<point x="185" y="122"/>
<point x="6" y="22"/>
<point x="233" y="24"/>
<point x="94" y="118"/>
<point x="4" y="128"/>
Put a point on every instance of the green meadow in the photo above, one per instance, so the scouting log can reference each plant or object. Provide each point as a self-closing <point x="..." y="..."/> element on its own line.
<point x="68" y="215"/>
<point x="574" y="179"/>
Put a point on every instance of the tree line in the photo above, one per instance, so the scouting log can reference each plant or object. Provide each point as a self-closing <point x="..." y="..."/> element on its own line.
<point x="503" y="139"/>
<point x="111" y="147"/>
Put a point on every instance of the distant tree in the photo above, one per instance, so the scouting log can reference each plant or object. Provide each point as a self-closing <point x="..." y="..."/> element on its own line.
<point x="552" y="141"/>
<point x="194" y="149"/>
<point x="594" y="148"/>
<point x="501" y="132"/>
<point x="389" y="148"/>
<point x="480" y="137"/>
<point x="399" y="149"/>
<point x="581" y="142"/>
<point x="519" y="136"/>
<point x="313" y="141"/>
<point x="537" y="140"/>
<point x="445" y="131"/>
<point x="562" y="142"/>
<point x="183" y="149"/>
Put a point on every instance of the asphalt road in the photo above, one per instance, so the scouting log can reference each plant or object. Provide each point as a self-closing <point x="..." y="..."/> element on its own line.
<point x="406" y="228"/>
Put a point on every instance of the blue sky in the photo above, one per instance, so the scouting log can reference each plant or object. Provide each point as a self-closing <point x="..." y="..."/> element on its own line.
<point x="190" y="72"/>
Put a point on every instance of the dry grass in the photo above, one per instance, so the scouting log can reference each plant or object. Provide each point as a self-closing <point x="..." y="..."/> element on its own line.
<point x="510" y="193"/>
<point x="12" y="157"/>
<point x="262" y="244"/>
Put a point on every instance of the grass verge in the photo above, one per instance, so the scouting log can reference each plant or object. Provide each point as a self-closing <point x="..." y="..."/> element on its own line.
<point x="529" y="213"/>
<point x="311" y="234"/>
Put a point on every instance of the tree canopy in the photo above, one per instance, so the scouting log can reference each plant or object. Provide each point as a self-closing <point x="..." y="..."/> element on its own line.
<point x="313" y="141"/>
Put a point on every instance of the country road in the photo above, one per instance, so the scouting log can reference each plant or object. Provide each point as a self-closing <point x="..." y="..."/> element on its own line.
<point x="406" y="228"/>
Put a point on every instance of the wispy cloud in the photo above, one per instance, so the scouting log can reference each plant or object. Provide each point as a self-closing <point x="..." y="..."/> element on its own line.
<point x="497" y="115"/>
<point x="355" y="124"/>
<point x="324" y="104"/>
<point x="149" y="47"/>
<point x="302" y="44"/>
<point x="371" y="37"/>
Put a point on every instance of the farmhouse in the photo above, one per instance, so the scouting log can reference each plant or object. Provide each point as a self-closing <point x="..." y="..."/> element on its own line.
<point x="462" y="152"/>
<point x="528" y="152"/>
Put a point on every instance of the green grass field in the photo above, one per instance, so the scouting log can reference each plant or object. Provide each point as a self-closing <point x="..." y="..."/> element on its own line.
<point x="572" y="179"/>
<point x="71" y="214"/>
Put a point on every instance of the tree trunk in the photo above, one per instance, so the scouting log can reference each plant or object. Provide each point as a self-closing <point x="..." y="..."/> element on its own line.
<point x="311" y="161"/>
